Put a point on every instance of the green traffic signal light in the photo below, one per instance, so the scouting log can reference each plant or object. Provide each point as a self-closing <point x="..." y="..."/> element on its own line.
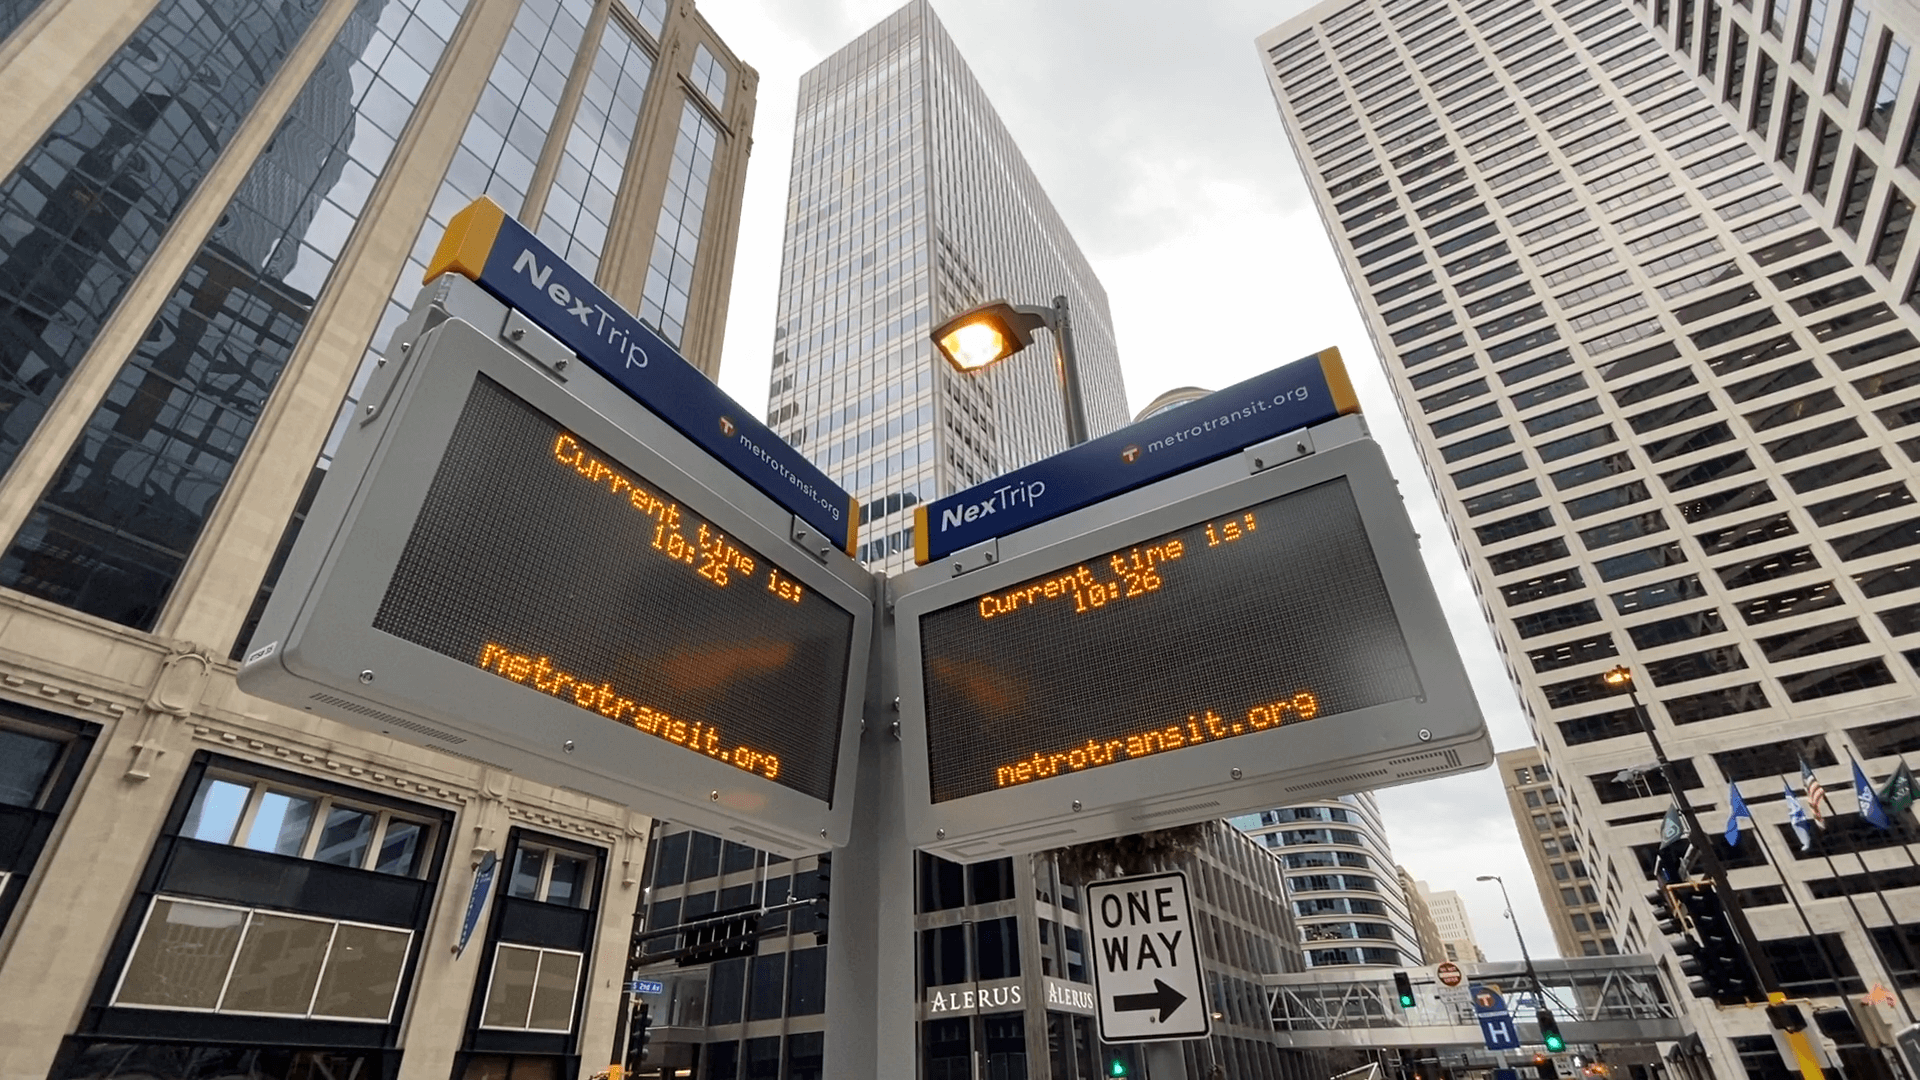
<point x="1550" y="1033"/>
<point x="1403" y="986"/>
<point x="1119" y="1068"/>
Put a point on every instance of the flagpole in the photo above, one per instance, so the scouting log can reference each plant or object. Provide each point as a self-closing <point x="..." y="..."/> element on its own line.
<point x="1852" y="904"/>
<point x="1893" y="922"/>
<point x="1786" y="886"/>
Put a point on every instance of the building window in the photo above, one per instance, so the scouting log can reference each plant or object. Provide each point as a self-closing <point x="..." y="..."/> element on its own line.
<point x="709" y="76"/>
<point x="551" y="876"/>
<point x="1887" y="81"/>
<point x="262" y="815"/>
<point x="201" y="957"/>
<point x="532" y="989"/>
<point x="663" y="302"/>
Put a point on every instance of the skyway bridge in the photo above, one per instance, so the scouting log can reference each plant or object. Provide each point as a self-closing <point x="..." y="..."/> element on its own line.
<point x="1613" y="1002"/>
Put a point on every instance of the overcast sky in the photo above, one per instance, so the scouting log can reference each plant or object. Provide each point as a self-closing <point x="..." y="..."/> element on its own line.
<point x="1151" y="127"/>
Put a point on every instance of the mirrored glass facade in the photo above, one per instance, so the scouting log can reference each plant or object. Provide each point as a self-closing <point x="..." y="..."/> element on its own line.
<point x="908" y="203"/>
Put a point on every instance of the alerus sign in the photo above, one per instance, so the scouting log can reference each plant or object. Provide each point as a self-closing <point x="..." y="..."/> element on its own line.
<point x="965" y="999"/>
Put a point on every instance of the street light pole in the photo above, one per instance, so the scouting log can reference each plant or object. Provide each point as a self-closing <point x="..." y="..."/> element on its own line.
<point x="989" y="333"/>
<point x="1525" y="958"/>
<point x="1709" y="861"/>
<point x="1069" y="361"/>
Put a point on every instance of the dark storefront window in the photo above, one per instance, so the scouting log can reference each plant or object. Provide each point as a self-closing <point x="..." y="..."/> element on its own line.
<point x="949" y="1048"/>
<point x="1006" y="1039"/>
<point x="530" y="990"/>
<point x="41" y="755"/>
<point x="302" y="924"/>
<point x="806" y="1056"/>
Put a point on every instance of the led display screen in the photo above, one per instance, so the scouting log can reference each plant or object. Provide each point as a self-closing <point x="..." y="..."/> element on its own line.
<point x="1273" y="615"/>
<point x="540" y="560"/>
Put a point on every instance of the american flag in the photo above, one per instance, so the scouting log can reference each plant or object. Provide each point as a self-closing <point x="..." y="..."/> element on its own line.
<point x="1815" y="793"/>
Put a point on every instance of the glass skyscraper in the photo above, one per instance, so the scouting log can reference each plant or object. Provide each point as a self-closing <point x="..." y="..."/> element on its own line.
<point x="213" y="213"/>
<point x="909" y="202"/>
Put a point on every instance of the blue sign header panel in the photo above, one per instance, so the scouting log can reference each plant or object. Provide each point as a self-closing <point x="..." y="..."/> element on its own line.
<point x="497" y="252"/>
<point x="1289" y="397"/>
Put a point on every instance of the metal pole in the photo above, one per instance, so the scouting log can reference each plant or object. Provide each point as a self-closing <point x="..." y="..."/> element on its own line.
<point x="1526" y="959"/>
<point x="1709" y="861"/>
<point x="1061" y="323"/>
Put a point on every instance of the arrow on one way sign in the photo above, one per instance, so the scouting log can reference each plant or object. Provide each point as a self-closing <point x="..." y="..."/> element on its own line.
<point x="1164" y="997"/>
<point x="1146" y="970"/>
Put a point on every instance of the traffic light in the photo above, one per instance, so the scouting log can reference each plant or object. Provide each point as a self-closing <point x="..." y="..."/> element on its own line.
<point x="727" y="935"/>
<point x="1716" y="962"/>
<point x="1117" y="1067"/>
<point x="1404" y="987"/>
<point x="639" y="1033"/>
<point x="1543" y="1067"/>
<point x="1787" y="1017"/>
<point x="1550" y="1033"/>
<point x="823" y="878"/>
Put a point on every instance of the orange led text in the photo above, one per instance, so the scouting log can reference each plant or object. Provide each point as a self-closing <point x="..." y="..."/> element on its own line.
<point x="601" y="697"/>
<point x="709" y="552"/>
<point x="1199" y="728"/>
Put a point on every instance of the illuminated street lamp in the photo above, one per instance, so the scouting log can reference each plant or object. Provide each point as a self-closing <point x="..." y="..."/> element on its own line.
<point x="991" y="332"/>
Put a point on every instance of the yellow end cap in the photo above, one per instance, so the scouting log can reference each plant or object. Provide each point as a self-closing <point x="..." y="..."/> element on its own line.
<point x="1334" y="370"/>
<point x="468" y="240"/>
<point x="920" y="519"/>
<point x="853" y="525"/>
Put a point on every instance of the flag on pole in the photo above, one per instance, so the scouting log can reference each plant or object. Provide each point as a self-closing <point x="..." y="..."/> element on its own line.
<point x="1816" y="794"/>
<point x="1870" y="807"/>
<point x="1736" y="814"/>
<point x="1898" y="794"/>
<point x="1797" y="817"/>
<point x="1671" y="830"/>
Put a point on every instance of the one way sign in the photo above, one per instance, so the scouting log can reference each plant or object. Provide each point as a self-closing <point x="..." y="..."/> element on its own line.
<point x="1146" y="970"/>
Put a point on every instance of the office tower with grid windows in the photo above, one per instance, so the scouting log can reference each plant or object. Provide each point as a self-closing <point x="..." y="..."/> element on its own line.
<point x="212" y="214"/>
<point x="1342" y="883"/>
<point x="1449" y="912"/>
<point x="1560" y="869"/>
<point x="1002" y="975"/>
<point x="909" y="202"/>
<point x="1644" y="296"/>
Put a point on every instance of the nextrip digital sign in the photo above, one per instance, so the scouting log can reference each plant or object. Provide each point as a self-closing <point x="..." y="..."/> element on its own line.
<point x="540" y="560"/>
<point x="519" y="564"/>
<point x="1205" y="646"/>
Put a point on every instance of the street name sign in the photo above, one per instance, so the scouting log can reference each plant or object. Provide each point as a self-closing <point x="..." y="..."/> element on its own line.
<point x="646" y="986"/>
<point x="1253" y="632"/>
<point x="1146" y="961"/>
<point x="1290" y="397"/>
<point x="513" y="560"/>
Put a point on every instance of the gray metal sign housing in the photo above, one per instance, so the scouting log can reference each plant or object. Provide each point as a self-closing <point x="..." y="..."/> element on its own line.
<point x="512" y="561"/>
<point x="1251" y="633"/>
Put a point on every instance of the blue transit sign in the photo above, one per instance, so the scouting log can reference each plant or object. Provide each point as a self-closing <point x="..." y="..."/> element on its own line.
<point x="1497" y="1029"/>
<point x="1292" y="396"/>
<point x="504" y="258"/>
<point x="646" y="986"/>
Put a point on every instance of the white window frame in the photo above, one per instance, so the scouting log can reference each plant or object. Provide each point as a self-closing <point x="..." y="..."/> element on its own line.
<point x="227" y="980"/>
<point x="573" y="1002"/>
<point x="259" y="788"/>
<point x="548" y="851"/>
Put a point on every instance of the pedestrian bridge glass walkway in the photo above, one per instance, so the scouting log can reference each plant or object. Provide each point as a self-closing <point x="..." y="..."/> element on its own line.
<point x="1604" y="1000"/>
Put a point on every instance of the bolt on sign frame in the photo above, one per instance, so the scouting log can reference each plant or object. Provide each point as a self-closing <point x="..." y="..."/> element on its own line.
<point x="512" y="560"/>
